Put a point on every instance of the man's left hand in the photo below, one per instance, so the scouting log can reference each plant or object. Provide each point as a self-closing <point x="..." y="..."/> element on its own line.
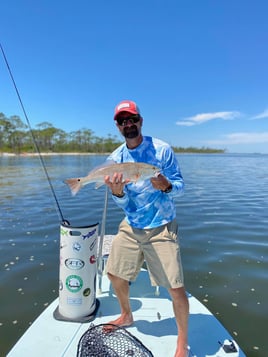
<point x="160" y="182"/>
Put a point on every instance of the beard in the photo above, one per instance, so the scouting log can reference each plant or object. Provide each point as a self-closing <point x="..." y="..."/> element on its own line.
<point x="131" y="132"/>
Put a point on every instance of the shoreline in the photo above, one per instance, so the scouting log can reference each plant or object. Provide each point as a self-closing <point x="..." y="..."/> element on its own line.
<point x="34" y="154"/>
<point x="51" y="154"/>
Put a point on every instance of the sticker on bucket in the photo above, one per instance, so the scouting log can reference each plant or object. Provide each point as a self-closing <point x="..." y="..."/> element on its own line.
<point x="74" y="301"/>
<point x="74" y="263"/>
<point x="74" y="283"/>
<point x="89" y="234"/>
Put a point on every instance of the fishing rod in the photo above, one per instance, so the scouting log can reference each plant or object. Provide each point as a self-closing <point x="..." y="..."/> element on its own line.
<point x="64" y="310"/>
<point x="58" y="209"/>
<point x="100" y="259"/>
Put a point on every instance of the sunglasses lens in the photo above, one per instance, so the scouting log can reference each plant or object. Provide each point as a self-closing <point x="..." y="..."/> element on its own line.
<point x="131" y="119"/>
<point x="120" y="121"/>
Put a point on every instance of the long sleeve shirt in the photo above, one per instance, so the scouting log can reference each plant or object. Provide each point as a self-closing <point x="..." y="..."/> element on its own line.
<point x="146" y="207"/>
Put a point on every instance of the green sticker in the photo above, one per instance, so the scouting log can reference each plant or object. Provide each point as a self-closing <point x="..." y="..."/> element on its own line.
<point x="74" y="283"/>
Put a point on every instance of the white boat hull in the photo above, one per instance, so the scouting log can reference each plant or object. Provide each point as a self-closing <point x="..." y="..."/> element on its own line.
<point x="154" y="326"/>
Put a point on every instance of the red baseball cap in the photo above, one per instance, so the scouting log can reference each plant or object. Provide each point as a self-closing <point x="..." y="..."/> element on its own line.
<point x="126" y="106"/>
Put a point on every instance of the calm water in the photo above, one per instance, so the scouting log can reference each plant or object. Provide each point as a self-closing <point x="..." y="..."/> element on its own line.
<point x="223" y="220"/>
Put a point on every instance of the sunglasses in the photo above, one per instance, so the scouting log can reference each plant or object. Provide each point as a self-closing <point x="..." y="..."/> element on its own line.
<point x="133" y="119"/>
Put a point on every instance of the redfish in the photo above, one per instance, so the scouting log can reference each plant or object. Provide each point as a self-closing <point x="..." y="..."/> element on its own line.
<point x="132" y="171"/>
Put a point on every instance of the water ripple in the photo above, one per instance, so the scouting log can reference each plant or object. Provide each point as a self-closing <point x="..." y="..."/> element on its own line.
<point x="222" y="218"/>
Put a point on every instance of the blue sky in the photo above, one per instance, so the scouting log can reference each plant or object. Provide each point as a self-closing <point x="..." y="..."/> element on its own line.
<point x="197" y="69"/>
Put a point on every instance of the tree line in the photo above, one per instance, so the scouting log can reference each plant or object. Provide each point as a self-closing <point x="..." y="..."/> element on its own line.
<point x="17" y="138"/>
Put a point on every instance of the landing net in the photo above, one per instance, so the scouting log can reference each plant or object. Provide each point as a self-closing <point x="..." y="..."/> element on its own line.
<point x="107" y="340"/>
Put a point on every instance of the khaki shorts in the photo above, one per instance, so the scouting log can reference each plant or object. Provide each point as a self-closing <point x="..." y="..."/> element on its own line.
<point x="159" y="247"/>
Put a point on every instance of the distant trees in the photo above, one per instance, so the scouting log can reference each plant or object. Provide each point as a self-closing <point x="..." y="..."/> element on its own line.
<point x="204" y="150"/>
<point x="12" y="133"/>
<point x="15" y="137"/>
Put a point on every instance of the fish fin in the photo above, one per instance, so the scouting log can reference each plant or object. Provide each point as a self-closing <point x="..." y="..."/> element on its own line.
<point x="105" y="164"/>
<point x="74" y="185"/>
<point x="137" y="178"/>
<point x="98" y="185"/>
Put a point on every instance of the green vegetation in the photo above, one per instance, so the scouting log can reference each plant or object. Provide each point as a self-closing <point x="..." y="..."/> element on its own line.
<point x="15" y="137"/>
<point x="194" y="150"/>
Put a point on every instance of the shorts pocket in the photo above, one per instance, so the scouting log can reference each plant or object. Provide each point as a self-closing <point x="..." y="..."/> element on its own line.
<point x="172" y="230"/>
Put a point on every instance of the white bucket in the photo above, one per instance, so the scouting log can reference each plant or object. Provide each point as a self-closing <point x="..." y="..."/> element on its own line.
<point x="78" y="270"/>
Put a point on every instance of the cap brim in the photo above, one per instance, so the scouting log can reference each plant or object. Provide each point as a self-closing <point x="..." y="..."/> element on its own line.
<point x="131" y="111"/>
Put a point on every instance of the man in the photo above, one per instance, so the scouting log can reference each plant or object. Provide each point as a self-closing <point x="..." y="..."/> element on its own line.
<point x="149" y="230"/>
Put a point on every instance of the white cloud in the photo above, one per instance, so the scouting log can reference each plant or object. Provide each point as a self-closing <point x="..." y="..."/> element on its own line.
<point x="204" y="117"/>
<point x="262" y="115"/>
<point x="241" y="138"/>
<point x="185" y="123"/>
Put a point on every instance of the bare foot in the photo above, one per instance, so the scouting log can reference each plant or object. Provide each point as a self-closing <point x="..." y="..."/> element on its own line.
<point x="122" y="321"/>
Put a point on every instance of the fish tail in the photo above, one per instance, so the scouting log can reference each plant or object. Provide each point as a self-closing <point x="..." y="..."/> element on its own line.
<point x="75" y="184"/>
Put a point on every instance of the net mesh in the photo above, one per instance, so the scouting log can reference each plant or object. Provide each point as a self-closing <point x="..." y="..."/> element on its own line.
<point x="107" y="340"/>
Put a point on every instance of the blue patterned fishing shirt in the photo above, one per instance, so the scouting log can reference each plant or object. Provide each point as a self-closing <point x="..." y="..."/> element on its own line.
<point x="146" y="207"/>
